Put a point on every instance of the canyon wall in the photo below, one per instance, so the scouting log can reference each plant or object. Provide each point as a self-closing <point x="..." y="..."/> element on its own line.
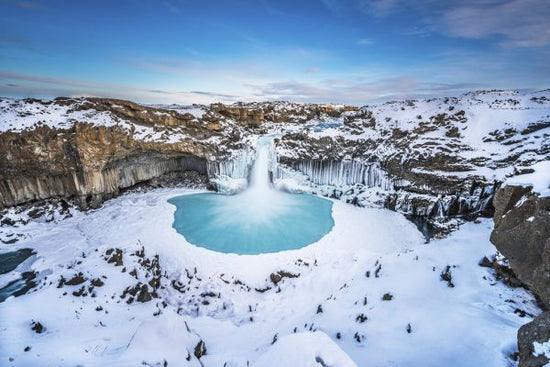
<point x="87" y="163"/>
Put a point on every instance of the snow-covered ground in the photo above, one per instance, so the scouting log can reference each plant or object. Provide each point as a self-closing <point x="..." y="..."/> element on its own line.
<point x="369" y="293"/>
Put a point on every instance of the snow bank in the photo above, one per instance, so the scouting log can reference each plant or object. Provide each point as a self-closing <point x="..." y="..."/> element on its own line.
<point x="305" y="350"/>
<point x="539" y="179"/>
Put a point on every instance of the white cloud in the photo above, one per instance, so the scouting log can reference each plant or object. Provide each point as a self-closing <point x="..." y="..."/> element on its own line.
<point x="349" y="91"/>
<point x="515" y="23"/>
<point x="378" y="8"/>
<point x="364" y="41"/>
<point x="521" y="23"/>
<point x="30" y="85"/>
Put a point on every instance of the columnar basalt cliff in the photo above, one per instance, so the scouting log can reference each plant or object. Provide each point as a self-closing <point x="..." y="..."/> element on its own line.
<point x="85" y="162"/>
<point x="91" y="162"/>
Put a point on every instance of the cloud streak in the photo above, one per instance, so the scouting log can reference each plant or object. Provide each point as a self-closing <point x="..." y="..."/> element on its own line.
<point x="43" y="86"/>
<point x="340" y="91"/>
<point x="514" y="23"/>
<point x="520" y="23"/>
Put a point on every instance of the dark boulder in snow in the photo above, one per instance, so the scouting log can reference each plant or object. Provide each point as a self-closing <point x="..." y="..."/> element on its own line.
<point x="536" y="332"/>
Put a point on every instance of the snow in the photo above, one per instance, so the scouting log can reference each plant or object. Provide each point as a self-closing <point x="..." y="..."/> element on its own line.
<point x="542" y="349"/>
<point x="539" y="180"/>
<point x="471" y="324"/>
<point x="315" y="349"/>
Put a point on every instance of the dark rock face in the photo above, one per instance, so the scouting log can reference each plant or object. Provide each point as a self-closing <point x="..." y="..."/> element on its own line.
<point x="522" y="234"/>
<point x="87" y="163"/>
<point x="254" y="114"/>
<point x="537" y="331"/>
<point x="245" y="116"/>
<point x="428" y="187"/>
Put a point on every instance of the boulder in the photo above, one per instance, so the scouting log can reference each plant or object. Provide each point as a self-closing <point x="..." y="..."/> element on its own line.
<point x="537" y="331"/>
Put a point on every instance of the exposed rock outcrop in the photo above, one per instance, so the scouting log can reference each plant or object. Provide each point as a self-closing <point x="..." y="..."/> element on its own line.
<point x="246" y="116"/>
<point x="522" y="234"/>
<point x="437" y="157"/>
<point x="537" y="331"/>
<point x="254" y="114"/>
<point x="90" y="161"/>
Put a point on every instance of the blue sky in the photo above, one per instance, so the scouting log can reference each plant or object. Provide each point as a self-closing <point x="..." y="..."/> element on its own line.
<point x="344" y="51"/>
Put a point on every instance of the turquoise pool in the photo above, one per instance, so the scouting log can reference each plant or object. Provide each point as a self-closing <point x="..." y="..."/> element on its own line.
<point x="249" y="223"/>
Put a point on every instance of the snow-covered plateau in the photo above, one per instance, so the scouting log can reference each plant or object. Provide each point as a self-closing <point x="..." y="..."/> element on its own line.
<point x="94" y="273"/>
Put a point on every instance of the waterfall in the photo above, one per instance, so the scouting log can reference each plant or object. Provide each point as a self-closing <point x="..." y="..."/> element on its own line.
<point x="261" y="202"/>
<point x="251" y="167"/>
<point x="259" y="176"/>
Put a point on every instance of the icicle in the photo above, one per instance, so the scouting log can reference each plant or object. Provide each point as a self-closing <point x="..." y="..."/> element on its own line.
<point x="341" y="173"/>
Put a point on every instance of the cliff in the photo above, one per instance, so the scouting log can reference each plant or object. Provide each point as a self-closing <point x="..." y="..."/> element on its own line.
<point x="522" y="234"/>
<point x="433" y="158"/>
<point x="90" y="159"/>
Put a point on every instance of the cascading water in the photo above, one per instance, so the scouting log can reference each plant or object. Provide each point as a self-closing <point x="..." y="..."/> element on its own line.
<point x="258" y="220"/>
<point x="259" y="177"/>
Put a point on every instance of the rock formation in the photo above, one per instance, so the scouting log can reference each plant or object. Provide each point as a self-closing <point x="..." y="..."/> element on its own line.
<point x="90" y="163"/>
<point x="522" y="234"/>
<point x="430" y="158"/>
<point x="537" y="331"/>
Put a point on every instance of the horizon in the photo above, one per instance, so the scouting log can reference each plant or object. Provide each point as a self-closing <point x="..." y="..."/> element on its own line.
<point x="353" y="52"/>
<point x="379" y="101"/>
